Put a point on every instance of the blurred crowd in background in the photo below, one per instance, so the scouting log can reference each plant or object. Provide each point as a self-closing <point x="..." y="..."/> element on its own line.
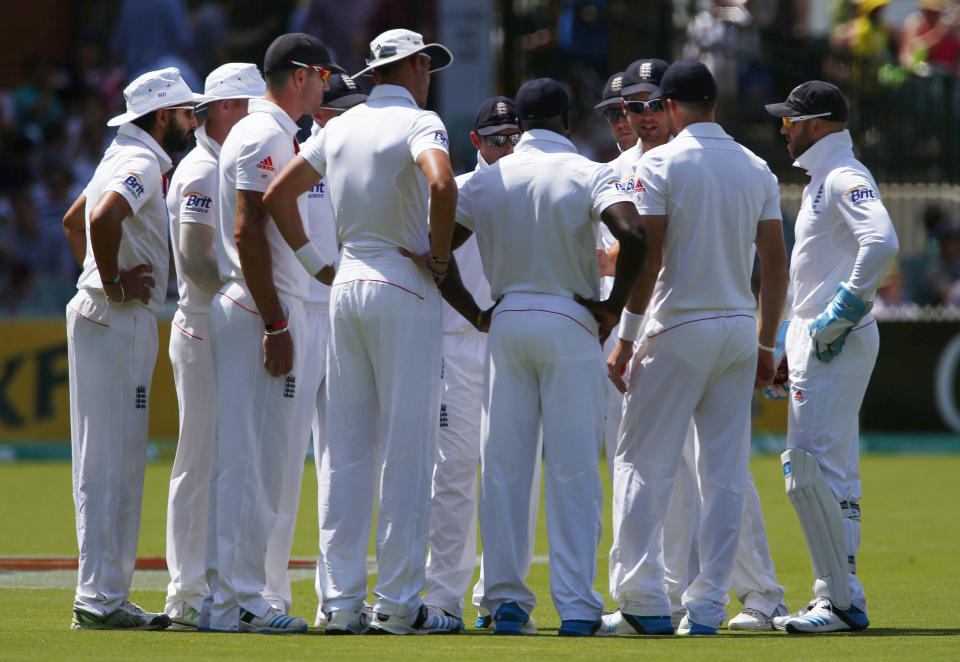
<point x="896" y="59"/>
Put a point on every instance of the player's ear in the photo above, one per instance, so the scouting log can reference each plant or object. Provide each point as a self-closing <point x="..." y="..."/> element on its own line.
<point x="475" y="139"/>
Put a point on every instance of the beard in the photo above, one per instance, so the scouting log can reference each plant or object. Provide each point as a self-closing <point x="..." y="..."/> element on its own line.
<point x="175" y="138"/>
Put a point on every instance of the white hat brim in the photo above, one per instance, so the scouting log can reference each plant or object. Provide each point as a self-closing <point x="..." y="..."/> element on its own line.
<point x="129" y="116"/>
<point x="440" y="58"/>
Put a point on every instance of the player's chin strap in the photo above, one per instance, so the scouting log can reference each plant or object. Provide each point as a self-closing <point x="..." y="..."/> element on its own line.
<point x="821" y="519"/>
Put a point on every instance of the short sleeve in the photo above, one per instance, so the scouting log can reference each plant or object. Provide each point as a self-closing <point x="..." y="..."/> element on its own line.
<point x="605" y="189"/>
<point x="259" y="160"/>
<point x="771" y="205"/>
<point x="312" y="152"/>
<point x="651" y="186"/>
<point x="427" y="132"/>
<point x="137" y="179"/>
<point x="198" y="202"/>
<point x="464" y="205"/>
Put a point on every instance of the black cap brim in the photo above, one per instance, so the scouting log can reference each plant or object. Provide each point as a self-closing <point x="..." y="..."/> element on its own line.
<point x="612" y="101"/>
<point x="782" y="110"/>
<point x="346" y="101"/>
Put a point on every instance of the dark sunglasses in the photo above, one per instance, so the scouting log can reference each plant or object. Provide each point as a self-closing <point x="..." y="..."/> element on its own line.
<point x="499" y="140"/>
<point x="613" y="115"/>
<point x="655" y="106"/>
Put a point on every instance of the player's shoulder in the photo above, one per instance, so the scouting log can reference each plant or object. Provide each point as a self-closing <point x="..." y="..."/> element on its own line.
<point x="851" y="181"/>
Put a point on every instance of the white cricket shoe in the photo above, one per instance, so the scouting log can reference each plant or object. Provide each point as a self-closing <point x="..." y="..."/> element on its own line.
<point x="618" y="622"/>
<point x="751" y="620"/>
<point x="273" y="622"/>
<point x="346" y="621"/>
<point x="128" y="616"/>
<point x="184" y="615"/>
<point x="688" y="627"/>
<point x="822" y="616"/>
<point x="429" y="620"/>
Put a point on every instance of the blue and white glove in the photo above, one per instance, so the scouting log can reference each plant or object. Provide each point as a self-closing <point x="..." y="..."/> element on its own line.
<point x="781" y="379"/>
<point x="829" y="330"/>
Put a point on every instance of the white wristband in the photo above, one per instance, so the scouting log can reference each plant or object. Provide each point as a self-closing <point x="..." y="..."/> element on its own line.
<point x="310" y="258"/>
<point x="766" y="348"/>
<point x="630" y="326"/>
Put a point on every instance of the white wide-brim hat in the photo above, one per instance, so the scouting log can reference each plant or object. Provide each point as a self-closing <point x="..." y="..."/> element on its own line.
<point x="397" y="44"/>
<point x="153" y="90"/>
<point x="234" y="80"/>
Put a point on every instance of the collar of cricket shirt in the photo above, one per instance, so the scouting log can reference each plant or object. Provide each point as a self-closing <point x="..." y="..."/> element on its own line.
<point x="386" y="90"/>
<point x="821" y="153"/>
<point x="544" y="138"/>
<point x="205" y="141"/>
<point x="134" y="132"/>
<point x="279" y="114"/>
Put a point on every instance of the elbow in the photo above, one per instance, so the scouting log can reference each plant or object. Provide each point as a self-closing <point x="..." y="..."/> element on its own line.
<point x="444" y="189"/>
<point x="244" y="236"/>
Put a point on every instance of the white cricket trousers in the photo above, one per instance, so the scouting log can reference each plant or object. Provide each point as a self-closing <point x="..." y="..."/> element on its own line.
<point x="544" y="363"/>
<point x="823" y="416"/>
<point x="188" y="503"/>
<point x="383" y="403"/>
<point x="754" y="580"/>
<point x="277" y="591"/>
<point x="258" y="439"/>
<point x="705" y="369"/>
<point x="111" y="350"/>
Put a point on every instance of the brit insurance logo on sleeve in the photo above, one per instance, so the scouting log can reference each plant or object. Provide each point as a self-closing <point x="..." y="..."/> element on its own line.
<point x="441" y="138"/>
<point x="134" y="184"/>
<point x="197" y="202"/>
<point x="861" y="194"/>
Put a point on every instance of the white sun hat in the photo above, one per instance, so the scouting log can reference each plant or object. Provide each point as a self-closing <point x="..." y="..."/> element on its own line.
<point x="153" y="90"/>
<point x="234" y="80"/>
<point x="399" y="43"/>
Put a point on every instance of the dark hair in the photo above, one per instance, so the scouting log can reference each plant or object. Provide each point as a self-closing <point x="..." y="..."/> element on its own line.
<point x="555" y="124"/>
<point x="277" y="79"/>
<point x="390" y="69"/>
<point x="146" y="122"/>
<point x="699" y="107"/>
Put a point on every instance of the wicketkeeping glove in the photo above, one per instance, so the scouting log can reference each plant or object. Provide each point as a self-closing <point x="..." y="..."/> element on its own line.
<point x="829" y="330"/>
<point x="781" y="380"/>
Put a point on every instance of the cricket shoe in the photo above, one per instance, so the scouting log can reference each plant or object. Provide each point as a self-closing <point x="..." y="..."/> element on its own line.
<point x="584" y="628"/>
<point x="619" y="622"/>
<point x="751" y="620"/>
<point x="822" y="616"/>
<point x="429" y="620"/>
<point x="347" y="621"/>
<point x="184" y="616"/>
<point x="688" y="628"/>
<point x="484" y="621"/>
<point x="273" y="622"/>
<point x="127" y="617"/>
<point x="510" y="619"/>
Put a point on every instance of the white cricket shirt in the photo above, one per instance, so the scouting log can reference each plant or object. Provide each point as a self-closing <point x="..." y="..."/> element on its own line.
<point x="843" y="231"/>
<point x="368" y="158"/>
<point x="193" y="198"/>
<point x="471" y="272"/>
<point x="133" y="166"/>
<point x="257" y="148"/>
<point x="713" y="192"/>
<point x="535" y="215"/>
<point x="322" y="231"/>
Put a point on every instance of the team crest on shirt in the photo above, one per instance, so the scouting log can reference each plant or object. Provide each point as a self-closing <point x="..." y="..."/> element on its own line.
<point x="134" y="184"/>
<point x="441" y="137"/>
<point x="861" y="194"/>
<point x="197" y="202"/>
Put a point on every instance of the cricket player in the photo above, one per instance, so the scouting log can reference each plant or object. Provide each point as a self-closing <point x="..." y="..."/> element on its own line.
<point x="256" y="318"/>
<point x="192" y="202"/>
<point x="534" y="213"/>
<point x="453" y="515"/>
<point x="705" y="201"/>
<point x="343" y="93"/>
<point x="117" y="229"/>
<point x="845" y="244"/>
<point x="609" y="105"/>
<point x="387" y="165"/>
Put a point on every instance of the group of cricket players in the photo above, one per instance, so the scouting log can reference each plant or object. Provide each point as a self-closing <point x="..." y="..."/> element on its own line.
<point x="449" y="342"/>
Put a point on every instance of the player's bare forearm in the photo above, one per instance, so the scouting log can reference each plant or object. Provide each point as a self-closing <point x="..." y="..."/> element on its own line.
<point x="627" y="226"/>
<point x="74" y="226"/>
<point x="456" y="294"/>
<point x="280" y="200"/>
<point x="254" y="253"/>
<point x="772" y="255"/>
<point x="106" y="230"/>
<point x="643" y="289"/>
<point x="435" y="164"/>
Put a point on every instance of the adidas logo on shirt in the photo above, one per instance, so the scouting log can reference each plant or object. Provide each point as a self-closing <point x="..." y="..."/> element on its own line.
<point x="266" y="164"/>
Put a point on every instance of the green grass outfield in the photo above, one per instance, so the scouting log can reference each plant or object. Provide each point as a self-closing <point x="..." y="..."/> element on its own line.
<point x="909" y="564"/>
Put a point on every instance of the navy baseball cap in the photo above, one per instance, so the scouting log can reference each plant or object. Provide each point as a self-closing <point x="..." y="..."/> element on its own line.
<point x="686" y="81"/>
<point x="343" y="93"/>
<point x="541" y="98"/>
<point x="612" y="91"/>
<point x="812" y="98"/>
<point x="644" y="75"/>
<point x="296" y="47"/>
<point x="494" y="115"/>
